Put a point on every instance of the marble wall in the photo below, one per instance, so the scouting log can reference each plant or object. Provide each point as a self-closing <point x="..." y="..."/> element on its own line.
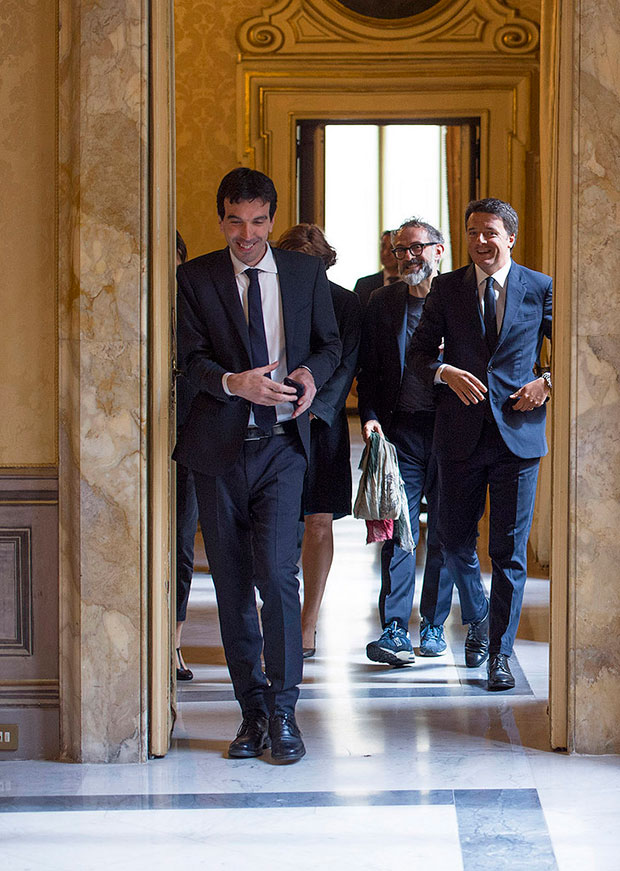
<point x="596" y="407"/>
<point x="103" y="327"/>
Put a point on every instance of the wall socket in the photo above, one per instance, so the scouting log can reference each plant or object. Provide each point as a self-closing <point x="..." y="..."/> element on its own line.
<point x="9" y="736"/>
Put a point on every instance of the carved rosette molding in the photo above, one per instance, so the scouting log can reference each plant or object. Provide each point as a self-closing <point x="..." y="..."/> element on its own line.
<point x="319" y="27"/>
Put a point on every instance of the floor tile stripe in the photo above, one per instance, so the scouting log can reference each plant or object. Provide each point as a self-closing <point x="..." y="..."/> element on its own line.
<point x="503" y="829"/>
<point x="468" y="802"/>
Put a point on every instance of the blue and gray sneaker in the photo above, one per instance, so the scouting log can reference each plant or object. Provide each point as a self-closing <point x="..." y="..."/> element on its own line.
<point x="393" y="648"/>
<point x="432" y="641"/>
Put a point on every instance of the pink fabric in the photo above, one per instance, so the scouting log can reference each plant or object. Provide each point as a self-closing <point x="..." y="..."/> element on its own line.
<point x="379" y="530"/>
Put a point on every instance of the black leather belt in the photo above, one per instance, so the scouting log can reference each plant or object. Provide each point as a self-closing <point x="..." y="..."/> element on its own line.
<point x="254" y="433"/>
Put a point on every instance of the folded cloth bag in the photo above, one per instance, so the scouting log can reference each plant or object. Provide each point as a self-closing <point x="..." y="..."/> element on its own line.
<point x="381" y="493"/>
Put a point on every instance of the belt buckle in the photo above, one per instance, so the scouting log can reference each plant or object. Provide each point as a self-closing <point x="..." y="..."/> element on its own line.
<point x="255" y="434"/>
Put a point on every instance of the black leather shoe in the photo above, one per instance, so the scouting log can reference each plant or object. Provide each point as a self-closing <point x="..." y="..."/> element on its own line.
<point x="286" y="743"/>
<point x="252" y="737"/>
<point x="477" y="642"/>
<point x="183" y="673"/>
<point x="500" y="676"/>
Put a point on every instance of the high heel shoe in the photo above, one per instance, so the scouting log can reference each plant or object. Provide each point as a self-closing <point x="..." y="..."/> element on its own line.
<point x="183" y="673"/>
<point x="307" y="652"/>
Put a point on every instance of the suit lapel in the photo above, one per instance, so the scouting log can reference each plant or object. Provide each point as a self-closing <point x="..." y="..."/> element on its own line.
<point x="398" y="313"/>
<point x="515" y="291"/>
<point x="286" y="280"/>
<point x="226" y="287"/>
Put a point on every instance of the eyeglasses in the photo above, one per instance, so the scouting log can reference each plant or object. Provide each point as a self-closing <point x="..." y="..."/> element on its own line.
<point x="415" y="250"/>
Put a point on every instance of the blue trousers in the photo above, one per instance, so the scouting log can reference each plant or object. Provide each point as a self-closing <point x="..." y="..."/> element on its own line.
<point x="511" y="482"/>
<point x="249" y="517"/>
<point x="412" y="436"/>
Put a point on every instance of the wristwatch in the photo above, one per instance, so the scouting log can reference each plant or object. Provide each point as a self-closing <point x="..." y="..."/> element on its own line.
<point x="546" y="377"/>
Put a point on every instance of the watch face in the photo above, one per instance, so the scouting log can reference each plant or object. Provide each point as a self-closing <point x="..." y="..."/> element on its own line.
<point x="388" y="9"/>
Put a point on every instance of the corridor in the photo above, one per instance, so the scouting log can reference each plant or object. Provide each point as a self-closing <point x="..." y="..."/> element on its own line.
<point x="418" y="767"/>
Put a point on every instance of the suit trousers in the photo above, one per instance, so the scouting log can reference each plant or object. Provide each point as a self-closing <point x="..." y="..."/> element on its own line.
<point x="511" y="482"/>
<point x="187" y="523"/>
<point x="412" y="436"/>
<point x="249" y="517"/>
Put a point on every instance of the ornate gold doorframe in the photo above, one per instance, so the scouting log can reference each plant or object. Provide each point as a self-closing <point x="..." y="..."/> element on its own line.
<point x="316" y="60"/>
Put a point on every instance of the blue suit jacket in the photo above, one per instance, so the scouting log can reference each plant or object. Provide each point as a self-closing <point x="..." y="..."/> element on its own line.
<point x="452" y="312"/>
<point x="213" y="333"/>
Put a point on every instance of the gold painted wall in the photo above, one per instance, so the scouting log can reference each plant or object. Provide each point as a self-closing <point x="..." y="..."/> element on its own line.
<point x="28" y="343"/>
<point x="206" y="129"/>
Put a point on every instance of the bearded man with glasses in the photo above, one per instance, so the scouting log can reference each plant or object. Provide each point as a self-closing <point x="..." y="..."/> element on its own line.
<point x="394" y="400"/>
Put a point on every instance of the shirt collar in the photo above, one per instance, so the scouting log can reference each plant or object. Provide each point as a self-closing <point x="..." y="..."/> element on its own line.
<point x="499" y="277"/>
<point x="266" y="264"/>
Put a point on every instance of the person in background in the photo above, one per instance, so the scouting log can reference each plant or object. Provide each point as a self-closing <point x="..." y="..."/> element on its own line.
<point x="259" y="337"/>
<point x="490" y="426"/>
<point x="328" y="484"/>
<point x="388" y="274"/>
<point x="187" y="506"/>
<point x="394" y="401"/>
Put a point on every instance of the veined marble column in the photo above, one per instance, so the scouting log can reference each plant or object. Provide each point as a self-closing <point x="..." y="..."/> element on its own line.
<point x="103" y="81"/>
<point x="595" y="413"/>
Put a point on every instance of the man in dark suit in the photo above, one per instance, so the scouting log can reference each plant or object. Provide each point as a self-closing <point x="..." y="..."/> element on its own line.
<point x="250" y="317"/>
<point x="490" y="423"/>
<point x="395" y="401"/>
<point x="387" y="275"/>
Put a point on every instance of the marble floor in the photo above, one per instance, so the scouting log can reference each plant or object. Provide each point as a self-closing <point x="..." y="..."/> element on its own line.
<point x="414" y="767"/>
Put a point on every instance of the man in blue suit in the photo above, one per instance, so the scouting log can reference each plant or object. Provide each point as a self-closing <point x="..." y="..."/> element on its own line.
<point x="490" y="422"/>
<point x="252" y="318"/>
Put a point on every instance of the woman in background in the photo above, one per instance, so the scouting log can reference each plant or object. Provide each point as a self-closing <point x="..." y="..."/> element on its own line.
<point x="328" y="485"/>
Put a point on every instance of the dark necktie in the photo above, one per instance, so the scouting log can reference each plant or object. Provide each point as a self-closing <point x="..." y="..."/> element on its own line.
<point x="490" y="315"/>
<point x="264" y="415"/>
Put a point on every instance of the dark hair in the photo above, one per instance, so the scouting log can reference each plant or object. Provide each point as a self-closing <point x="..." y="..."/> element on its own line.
<point x="434" y="235"/>
<point x="493" y="206"/>
<point x="181" y="248"/>
<point x="246" y="184"/>
<point x="309" y="239"/>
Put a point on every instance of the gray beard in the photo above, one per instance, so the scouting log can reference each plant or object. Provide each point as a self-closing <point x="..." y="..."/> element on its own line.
<point x="415" y="278"/>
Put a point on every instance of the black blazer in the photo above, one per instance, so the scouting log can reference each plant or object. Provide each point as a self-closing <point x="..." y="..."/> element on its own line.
<point x="331" y="398"/>
<point x="365" y="286"/>
<point x="452" y="312"/>
<point x="213" y="334"/>
<point x="382" y="353"/>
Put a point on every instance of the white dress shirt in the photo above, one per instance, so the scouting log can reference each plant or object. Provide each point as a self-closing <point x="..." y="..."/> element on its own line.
<point x="500" y="280"/>
<point x="272" y="316"/>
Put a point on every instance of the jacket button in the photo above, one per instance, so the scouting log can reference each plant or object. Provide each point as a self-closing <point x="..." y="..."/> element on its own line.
<point x="490" y="369"/>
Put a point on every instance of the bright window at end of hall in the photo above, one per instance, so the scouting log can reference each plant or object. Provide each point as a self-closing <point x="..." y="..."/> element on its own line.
<point x="352" y="199"/>
<point x="376" y="177"/>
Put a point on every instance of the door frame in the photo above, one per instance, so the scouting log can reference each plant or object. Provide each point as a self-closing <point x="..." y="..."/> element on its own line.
<point x="161" y="317"/>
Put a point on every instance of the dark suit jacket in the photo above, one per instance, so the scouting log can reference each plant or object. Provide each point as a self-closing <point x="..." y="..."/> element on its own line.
<point x="365" y="286"/>
<point x="214" y="336"/>
<point x="382" y="354"/>
<point x="452" y="312"/>
<point x="331" y="398"/>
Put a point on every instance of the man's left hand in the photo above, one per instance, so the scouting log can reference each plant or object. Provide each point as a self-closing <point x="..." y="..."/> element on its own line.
<point x="532" y="395"/>
<point x="304" y="376"/>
